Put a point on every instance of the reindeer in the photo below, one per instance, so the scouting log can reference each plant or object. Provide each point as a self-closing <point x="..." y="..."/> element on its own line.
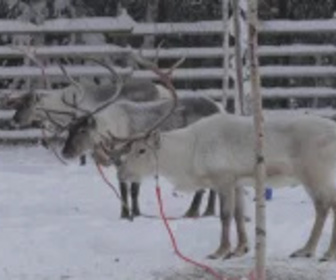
<point x="97" y="128"/>
<point x="126" y="118"/>
<point x="56" y="110"/>
<point x="33" y="107"/>
<point x="218" y="152"/>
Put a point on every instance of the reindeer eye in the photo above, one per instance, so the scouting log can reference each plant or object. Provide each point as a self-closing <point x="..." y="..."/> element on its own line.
<point x="142" y="151"/>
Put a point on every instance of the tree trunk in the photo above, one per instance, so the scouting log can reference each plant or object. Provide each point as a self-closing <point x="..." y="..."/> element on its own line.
<point x="259" y="137"/>
<point x="239" y="95"/>
<point x="151" y="16"/>
<point x="226" y="55"/>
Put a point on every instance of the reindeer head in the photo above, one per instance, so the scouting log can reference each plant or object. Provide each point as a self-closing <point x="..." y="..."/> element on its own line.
<point x="81" y="136"/>
<point x="139" y="158"/>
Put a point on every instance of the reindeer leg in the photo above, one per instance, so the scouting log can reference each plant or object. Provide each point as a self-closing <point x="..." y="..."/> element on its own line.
<point x="210" y="210"/>
<point x="227" y="204"/>
<point x="125" y="214"/>
<point x="331" y="252"/>
<point x="308" y="250"/>
<point x="193" y="210"/>
<point x="135" y="199"/>
<point x="242" y="247"/>
<point x="82" y="160"/>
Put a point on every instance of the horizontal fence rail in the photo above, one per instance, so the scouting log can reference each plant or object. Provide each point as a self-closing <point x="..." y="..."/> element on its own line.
<point x="178" y="74"/>
<point x="125" y="24"/>
<point x="194" y="52"/>
<point x="269" y="93"/>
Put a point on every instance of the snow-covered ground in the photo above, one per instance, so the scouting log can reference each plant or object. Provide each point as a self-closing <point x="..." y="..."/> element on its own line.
<point x="62" y="223"/>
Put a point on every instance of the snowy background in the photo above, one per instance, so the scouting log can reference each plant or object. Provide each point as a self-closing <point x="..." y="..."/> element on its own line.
<point x="62" y="222"/>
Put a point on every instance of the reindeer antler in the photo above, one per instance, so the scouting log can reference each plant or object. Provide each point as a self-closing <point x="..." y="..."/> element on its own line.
<point x="78" y="86"/>
<point x="48" y="113"/>
<point x="166" y="79"/>
<point x="120" y="85"/>
<point x="120" y="80"/>
<point x="126" y="141"/>
<point x="32" y="56"/>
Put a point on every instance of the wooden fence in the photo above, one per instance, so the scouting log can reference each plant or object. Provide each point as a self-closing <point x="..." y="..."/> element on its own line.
<point x="125" y="26"/>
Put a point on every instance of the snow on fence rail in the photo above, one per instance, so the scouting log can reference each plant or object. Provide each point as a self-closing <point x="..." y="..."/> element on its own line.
<point x="124" y="24"/>
<point x="195" y="52"/>
<point x="216" y="94"/>
<point x="178" y="74"/>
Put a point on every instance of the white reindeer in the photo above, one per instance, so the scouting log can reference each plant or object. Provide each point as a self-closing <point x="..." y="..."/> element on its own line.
<point x="126" y="118"/>
<point x="218" y="152"/>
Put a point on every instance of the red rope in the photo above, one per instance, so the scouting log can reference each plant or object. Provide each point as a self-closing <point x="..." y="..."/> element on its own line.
<point x="174" y="243"/>
<point x="114" y="189"/>
<point x="170" y="232"/>
<point x="251" y="275"/>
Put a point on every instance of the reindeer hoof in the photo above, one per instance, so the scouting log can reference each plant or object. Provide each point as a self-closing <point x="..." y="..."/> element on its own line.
<point x="327" y="257"/>
<point x="216" y="256"/>
<point x="240" y="251"/>
<point x="208" y="213"/>
<point x="307" y="255"/>
<point x="213" y="257"/>
<point x="301" y="254"/>
<point x="228" y="256"/>
<point x="136" y="213"/>
<point x="191" y="214"/>
<point x="224" y="253"/>
<point x="125" y="215"/>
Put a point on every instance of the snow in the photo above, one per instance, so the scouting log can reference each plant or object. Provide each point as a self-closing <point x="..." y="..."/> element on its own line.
<point x="61" y="222"/>
<point x="123" y="23"/>
<point x="126" y="24"/>
<point x="299" y="26"/>
<point x="216" y="26"/>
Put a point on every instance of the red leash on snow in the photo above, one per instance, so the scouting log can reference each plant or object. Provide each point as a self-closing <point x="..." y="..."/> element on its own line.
<point x="165" y="219"/>
<point x="206" y="268"/>
<point x="174" y="243"/>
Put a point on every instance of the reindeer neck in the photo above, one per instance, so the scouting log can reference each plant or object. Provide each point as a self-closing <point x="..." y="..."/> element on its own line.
<point x="173" y="144"/>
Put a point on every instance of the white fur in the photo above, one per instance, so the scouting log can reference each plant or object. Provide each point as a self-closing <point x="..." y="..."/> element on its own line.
<point x="218" y="152"/>
<point x="164" y="93"/>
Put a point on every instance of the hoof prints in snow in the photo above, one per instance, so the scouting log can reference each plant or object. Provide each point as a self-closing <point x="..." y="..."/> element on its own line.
<point x="277" y="270"/>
